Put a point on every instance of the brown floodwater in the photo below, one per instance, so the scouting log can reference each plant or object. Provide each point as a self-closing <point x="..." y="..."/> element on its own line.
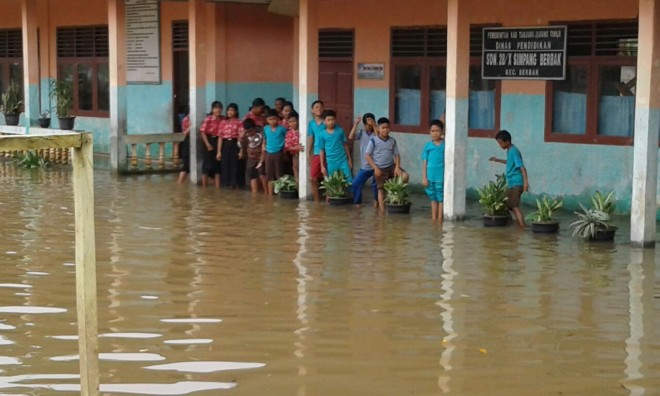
<point x="211" y="292"/>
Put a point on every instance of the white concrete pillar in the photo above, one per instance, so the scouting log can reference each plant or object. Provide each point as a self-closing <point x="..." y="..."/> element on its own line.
<point x="30" y="63"/>
<point x="456" y="128"/>
<point x="647" y="126"/>
<point x="198" y="52"/>
<point x="118" y="96"/>
<point x="303" y="92"/>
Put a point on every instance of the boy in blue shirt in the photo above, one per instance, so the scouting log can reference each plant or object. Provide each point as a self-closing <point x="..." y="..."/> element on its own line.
<point x="383" y="156"/>
<point x="516" y="174"/>
<point x="273" y="148"/>
<point x="314" y="129"/>
<point x="366" y="171"/>
<point x="333" y="153"/>
<point x="433" y="170"/>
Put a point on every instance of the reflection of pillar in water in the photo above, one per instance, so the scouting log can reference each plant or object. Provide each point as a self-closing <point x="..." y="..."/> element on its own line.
<point x="445" y="303"/>
<point x="303" y="277"/>
<point x="633" y="360"/>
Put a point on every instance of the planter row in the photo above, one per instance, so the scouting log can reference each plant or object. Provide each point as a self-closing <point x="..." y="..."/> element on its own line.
<point x="66" y="123"/>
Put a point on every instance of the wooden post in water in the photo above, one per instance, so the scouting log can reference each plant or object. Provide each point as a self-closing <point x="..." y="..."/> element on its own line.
<point x="83" y="192"/>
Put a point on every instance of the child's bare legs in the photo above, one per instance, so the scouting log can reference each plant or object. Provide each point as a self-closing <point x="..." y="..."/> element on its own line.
<point x="381" y="200"/>
<point x="271" y="188"/>
<point x="434" y="211"/>
<point x="295" y="167"/>
<point x="217" y="181"/>
<point x="182" y="177"/>
<point x="205" y="180"/>
<point x="264" y="184"/>
<point x="519" y="217"/>
<point x="315" y="189"/>
<point x="254" y="186"/>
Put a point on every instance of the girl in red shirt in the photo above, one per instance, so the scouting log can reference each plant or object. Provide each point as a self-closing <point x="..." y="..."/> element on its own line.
<point x="292" y="142"/>
<point x="210" y="130"/>
<point x="230" y="129"/>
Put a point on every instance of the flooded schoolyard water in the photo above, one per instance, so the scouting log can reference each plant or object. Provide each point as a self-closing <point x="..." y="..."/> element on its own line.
<point x="211" y="293"/>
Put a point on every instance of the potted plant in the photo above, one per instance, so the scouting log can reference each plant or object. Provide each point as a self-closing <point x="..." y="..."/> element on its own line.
<point x="286" y="187"/>
<point x="542" y="221"/>
<point x="396" y="196"/>
<point x="62" y="91"/>
<point x="11" y="103"/>
<point x="30" y="160"/>
<point x="594" y="224"/>
<point x="492" y="198"/>
<point x="336" y="188"/>
<point x="44" y="120"/>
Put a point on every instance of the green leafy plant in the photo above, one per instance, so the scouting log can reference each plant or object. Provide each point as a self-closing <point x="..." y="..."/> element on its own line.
<point x="544" y="209"/>
<point x="589" y="222"/>
<point x="30" y="160"/>
<point x="606" y="203"/>
<point x="335" y="185"/>
<point x="62" y="91"/>
<point x="12" y="99"/>
<point x="492" y="197"/>
<point x="285" y="183"/>
<point x="396" y="191"/>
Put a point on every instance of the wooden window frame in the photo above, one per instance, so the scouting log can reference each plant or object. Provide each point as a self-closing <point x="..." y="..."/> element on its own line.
<point x="593" y="64"/>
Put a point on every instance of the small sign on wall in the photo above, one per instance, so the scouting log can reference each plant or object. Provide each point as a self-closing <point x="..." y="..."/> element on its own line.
<point x="371" y="71"/>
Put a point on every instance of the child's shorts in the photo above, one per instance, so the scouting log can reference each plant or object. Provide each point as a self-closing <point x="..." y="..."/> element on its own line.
<point x="513" y="195"/>
<point x="435" y="191"/>
<point x="252" y="172"/>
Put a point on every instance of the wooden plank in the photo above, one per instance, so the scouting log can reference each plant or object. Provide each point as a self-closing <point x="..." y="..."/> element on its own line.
<point x="154" y="138"/>
<point x="36" y="142"/>
<point x="83" y="189"/>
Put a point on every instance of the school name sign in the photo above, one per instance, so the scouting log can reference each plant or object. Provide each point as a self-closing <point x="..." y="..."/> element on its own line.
<point x="528" y="53"/>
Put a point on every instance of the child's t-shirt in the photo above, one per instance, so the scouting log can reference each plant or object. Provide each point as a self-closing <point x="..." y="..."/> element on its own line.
<point x="382" y="151"/>
<point x="363" y="136"/>
<point x="514" y="162"/>
<point x="434" y="155"/>
<point x="230" y="129"/>
<point x="253" y="141"/>
<point x="333" y="144"/>
<point x="292" y="139"/>
<point x="211" y="126"/>
<point x="275" y="138"/>
<point x="314" y="130"/>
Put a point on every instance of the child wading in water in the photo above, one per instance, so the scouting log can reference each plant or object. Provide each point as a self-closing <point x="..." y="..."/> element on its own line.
<point x="184" y="147"/>
<point x="363" y="135"/>
<point x="433" y="170"/>
<point x="230" y="130"/>
<point x="334" y="149"/>
<point x="383" y="156"/>
<point x="516" y="174"/>
<point x="210" y="131"/>
<point x="251" y="142"/>
<point x="273" y="148"/>
<point x="292" y="141"/>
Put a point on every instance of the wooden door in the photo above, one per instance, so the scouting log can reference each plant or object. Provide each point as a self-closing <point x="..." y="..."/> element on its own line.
<point x="180" y="72"/>
<point x="336" y="89"/>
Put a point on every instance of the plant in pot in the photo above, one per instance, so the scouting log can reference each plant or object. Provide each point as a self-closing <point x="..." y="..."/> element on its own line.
<point x="396" y="196"/>
<point x="30" y="160"/>
<point x="542" y="221"/>
<point x="286" y="187"/>
<point x="11" y="103"/>
<point x="336" y="188"/>
<point x="62" y="91"/>
<point x="594" y="224"/>
<point x="492" y="198"/>
<point x="44" y="120"/>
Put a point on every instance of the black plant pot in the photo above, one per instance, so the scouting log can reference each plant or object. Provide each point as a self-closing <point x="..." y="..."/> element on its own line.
<point x="496" y="221"/>
<point x="551" y="227"/>
<point x="66" y="123"/>
<point x="336" y="201"/>
<point x="12" y="119"/>
<point x="288" y="194"/>
<point x="604" y="235"/>
<point x="44" y="122"/>
<point x="398" y="209"/>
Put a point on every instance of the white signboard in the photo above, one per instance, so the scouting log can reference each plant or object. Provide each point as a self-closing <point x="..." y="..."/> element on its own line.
<point x="142" y="42"/>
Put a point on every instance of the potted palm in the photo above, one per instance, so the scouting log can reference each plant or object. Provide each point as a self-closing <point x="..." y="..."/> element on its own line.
<point x="44" y="120"/>
<point x="62" y="91"/>
<point x="286" y="187"/>
<point x="542" y="221"/>
<point x="11" y="103"/>
<point x="594" y="224"/>
<point x="396" y="196"/>
<point x="492" y="198"/>
<point x="336" y="188"/>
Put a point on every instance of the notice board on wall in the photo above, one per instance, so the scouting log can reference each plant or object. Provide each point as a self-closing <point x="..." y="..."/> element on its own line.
<point x="142" y="42"/>
<point x="524" y="53"/>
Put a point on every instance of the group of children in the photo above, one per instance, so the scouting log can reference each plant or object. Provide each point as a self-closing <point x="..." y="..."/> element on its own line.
<point x="265" y="145"/>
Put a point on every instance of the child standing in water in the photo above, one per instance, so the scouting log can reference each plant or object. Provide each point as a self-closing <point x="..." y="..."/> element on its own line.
<point x="184" y="147"/>
<point x="363" y="135"/>
<point x="516" y="174"/>
<point x="273" y="148"/>
<point x="433" y="170"/>
<point x="292" y="141"/>
<point x="383" y="156"/>
<point x="314" y="129"/>
<point x="251" y="142"/>
<point x="230" y="129"/>
<point x="334" y="153"/>
<point x="210" y="131"/>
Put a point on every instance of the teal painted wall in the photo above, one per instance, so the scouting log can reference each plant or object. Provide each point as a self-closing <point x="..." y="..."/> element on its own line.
<point x="244" y="93"/>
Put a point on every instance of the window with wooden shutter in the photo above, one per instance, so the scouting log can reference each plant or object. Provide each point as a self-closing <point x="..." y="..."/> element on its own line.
<point x="11" y="58"/>
<point x="180" y="36"/>
<point x="336" y="43"/>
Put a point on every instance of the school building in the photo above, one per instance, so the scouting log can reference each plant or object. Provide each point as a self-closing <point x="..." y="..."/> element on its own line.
<point x="135" y="64"/>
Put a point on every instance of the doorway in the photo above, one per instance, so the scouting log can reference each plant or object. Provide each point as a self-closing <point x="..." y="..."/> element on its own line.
<point x="336" y="73"/>
<point x="180" y="72"/>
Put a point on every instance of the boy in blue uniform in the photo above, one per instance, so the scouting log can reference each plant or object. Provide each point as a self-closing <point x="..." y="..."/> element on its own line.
<point x="273" y="148"/>
<point x="314" y="129"/>
<point x="516" y="174"/>
<point x="333" y="153"/>
<point x="433" y="170"/>
<point x="366" y="171"/>
<point x="383" y="156"/>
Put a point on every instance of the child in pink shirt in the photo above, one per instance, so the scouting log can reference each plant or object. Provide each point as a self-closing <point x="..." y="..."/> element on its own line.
<point x="292" y="142"/>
